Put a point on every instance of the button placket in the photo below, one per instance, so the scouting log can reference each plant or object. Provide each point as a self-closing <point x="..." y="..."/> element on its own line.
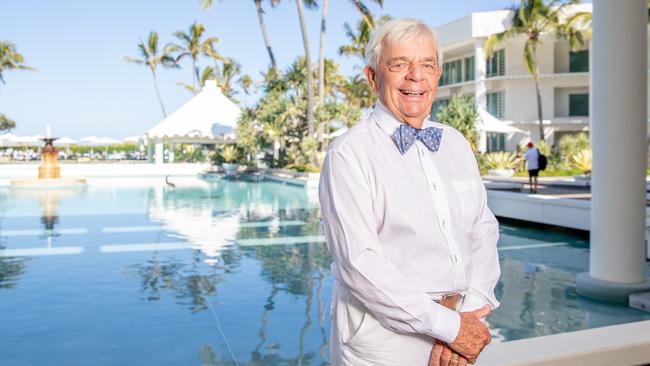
<point x="442" y="207"/>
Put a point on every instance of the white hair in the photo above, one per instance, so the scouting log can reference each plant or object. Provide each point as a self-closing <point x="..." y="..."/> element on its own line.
<point x="398" y="30"/>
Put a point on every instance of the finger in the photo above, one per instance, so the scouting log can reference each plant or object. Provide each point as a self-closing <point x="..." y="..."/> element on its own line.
<point x="436" y="352"/>
<point x="445" y="357"/>
<point x="462" y="361"/>
<point x="483" y="312"/>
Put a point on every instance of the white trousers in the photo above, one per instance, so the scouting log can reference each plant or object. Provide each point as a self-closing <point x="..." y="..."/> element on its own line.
<point x="358" y="339"/>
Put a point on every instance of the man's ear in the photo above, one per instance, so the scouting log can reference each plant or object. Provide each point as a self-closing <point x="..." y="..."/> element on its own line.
<point x="370" y="76"/>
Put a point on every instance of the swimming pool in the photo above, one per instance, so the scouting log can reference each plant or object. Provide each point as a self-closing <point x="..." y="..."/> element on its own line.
<point x="225" y="273"/>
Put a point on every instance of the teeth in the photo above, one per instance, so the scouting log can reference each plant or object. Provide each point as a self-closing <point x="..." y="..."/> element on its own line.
<point x="407" y="92"/>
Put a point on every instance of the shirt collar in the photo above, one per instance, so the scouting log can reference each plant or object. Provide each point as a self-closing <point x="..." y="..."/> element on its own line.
<point x="387" y="121"/>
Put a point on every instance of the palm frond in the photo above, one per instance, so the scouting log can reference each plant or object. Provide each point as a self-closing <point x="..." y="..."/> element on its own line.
<point x="206" y="4"/>
<point x="530" y="57"/>
<point x="132" y="60"/>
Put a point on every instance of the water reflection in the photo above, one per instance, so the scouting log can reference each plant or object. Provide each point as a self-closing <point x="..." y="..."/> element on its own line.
<point x="216" y="302"/>
<point x="212" y="219"/>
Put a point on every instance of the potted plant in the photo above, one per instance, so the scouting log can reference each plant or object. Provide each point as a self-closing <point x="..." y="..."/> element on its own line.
<point x="229" y="155"/>
<point x="581" y="161"/>
<point x="501" y="164"/>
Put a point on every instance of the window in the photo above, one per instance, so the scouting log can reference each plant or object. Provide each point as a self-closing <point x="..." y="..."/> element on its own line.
<point x="469" y="68"/>
<point x="579" y="61"/>
<point x="496" y="104"/>
<point x="496" y="141"/>
<point x="496" y="65"/>
<point x="578" y="104"/>
<point x="437" y="105"/>
<point x="452" y="72"/>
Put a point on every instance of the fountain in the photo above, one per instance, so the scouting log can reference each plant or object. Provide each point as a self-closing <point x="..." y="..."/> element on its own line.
<point x="49" y="172"/>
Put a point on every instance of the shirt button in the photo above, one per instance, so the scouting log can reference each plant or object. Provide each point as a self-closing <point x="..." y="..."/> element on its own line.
<point x="444" y="224"/>
<point x="435" y="187"/>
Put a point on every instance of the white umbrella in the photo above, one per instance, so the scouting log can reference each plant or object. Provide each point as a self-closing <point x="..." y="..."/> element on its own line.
<point x="131" y="139"/>
<point x="8" y="139"/>
<point x="65" y="141"/>
<point x="89" y="140"/>
<point x="29" y="140"/>
<point x="108" y="141"/>
<point x="99" y="141"/>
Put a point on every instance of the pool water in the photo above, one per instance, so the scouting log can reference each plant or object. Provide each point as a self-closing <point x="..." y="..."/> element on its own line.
<point x="225" y="273"/>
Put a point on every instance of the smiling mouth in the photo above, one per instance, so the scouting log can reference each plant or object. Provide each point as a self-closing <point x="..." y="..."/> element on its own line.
<point x="412" y="92"/>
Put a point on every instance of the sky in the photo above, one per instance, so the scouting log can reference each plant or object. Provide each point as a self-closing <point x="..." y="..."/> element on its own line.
<point x="82" y="87"/>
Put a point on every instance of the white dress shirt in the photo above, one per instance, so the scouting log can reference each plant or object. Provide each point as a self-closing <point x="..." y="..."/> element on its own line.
<point x="532" y="157"/>
<point x="403" y="229"/>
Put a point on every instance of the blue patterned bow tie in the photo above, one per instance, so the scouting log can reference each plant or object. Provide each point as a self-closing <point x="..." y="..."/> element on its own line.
<point x="406" y="135"/>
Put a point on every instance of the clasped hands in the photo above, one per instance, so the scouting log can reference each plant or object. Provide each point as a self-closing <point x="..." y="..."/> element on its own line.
<point x="472" y="337"/>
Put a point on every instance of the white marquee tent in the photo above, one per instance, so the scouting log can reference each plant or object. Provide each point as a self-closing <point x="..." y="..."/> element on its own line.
<point x="487" y="123"/>
<point x="209" y="117"/>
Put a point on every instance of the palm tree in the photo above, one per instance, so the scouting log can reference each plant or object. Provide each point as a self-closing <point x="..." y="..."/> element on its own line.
<point x="359" y="39"/>
<point x="208" y="73"/>
<point x="6" y="123"/>
<point x="533" y="19"/>
<point x="206" y="4"/>
<point x="150" y="57"/>
<point x="367" y="18"/>
<point x="225" y="76"/>
<point x="10" y="59"/>
<point x="321" y="53"/>
<point x="365" y="13"/>
<point x="193" y="46"/>
<point x="310" y="76"/>
<point x="358" y="92"/>
<point x="246" y="83"/>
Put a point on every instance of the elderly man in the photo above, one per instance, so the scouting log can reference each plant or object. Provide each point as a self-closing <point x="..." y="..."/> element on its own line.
<point x="406" y="220"/>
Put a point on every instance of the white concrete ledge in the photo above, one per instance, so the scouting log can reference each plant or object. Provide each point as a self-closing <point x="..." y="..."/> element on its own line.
<point x="92" y="170"/>
<point x="287" y="176"/>
<point x="621" y="345"/>
<point x="571" y="213"/>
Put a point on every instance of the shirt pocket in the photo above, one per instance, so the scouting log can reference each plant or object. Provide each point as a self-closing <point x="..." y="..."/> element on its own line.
<point x="468" y="196"/>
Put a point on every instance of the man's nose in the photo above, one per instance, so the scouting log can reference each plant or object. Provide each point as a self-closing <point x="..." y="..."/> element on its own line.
<point x="415" y="73"/>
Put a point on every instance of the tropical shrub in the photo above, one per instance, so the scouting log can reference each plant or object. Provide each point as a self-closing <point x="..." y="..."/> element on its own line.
<point x="501" y="160"/>
<point x="461" y="114"/>
<point x="582" y="161"/>
<point x="229" y="153"/>
<point x="573" y="144"/>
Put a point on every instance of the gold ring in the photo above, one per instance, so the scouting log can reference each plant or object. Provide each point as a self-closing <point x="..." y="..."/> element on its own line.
<point x="454" y="356"/>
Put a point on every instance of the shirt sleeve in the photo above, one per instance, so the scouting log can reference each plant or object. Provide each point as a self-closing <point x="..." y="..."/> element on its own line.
<point x="391" y="297"/>
<point x="485" y="269"/>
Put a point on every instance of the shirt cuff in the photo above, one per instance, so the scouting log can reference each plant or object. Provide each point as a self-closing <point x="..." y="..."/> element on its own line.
<point x="446" y="323"/>
<point x="474" y="301"/>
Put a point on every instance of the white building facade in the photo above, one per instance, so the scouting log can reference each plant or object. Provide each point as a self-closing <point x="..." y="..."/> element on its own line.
<point x="503" y="86"/>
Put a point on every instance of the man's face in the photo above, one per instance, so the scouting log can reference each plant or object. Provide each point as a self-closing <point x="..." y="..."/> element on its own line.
<point x="407" y="79"/>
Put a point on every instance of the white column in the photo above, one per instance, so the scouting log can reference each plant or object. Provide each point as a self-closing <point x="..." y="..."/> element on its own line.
<point x="482" y="142"/>
<point x="159" y="153"/>
<point x="617" y="251"/>
<point x="149" y="151"/>
<point x="480" y="88"/>
<point x="170" y="156"/>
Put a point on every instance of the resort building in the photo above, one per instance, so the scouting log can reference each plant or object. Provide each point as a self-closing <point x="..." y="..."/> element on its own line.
<point x="502" y="86"/>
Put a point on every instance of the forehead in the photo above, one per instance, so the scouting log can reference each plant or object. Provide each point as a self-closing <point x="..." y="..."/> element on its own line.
<point x="414" y="47"/>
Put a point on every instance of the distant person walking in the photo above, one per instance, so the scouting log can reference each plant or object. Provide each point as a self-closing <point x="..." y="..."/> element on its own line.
<point x="532" y="158"/>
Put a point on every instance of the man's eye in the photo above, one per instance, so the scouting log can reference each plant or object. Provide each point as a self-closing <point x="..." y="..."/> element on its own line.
<point x="399" y="66"/>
